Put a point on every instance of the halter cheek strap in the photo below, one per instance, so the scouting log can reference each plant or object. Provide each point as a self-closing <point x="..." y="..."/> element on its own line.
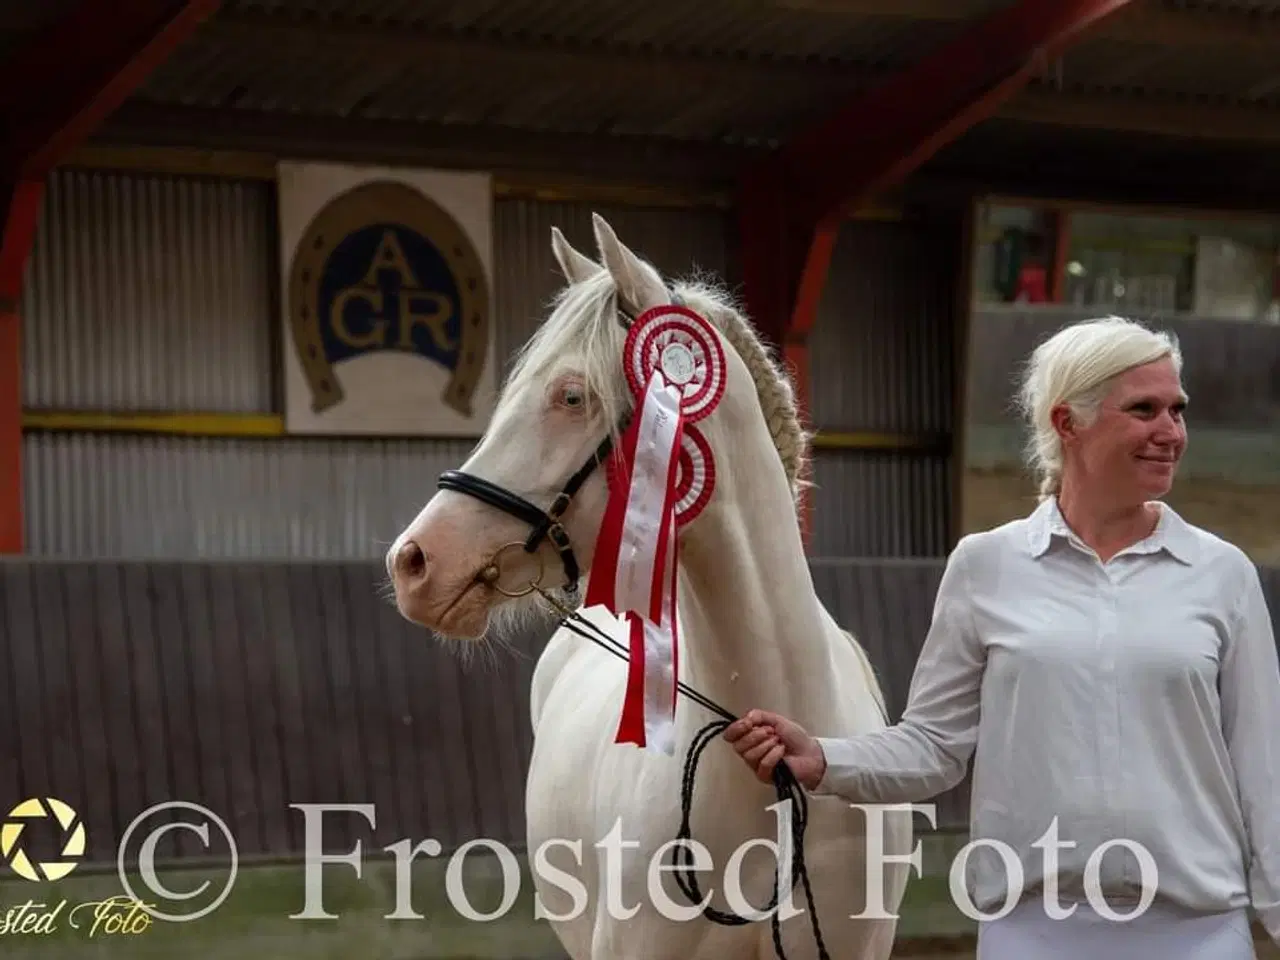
<point x="546" y="523"/>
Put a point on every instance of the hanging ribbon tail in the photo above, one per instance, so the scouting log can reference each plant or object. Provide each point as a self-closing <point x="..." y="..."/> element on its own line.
<point x="649" y="500"/>
<point x="672" y="608"/>
<point x="661" y="651"/>
<point x="629" y="576"/>
<point x="661" y="634"/>
<point x="649" y="707"/>
<point x="631" y="725"/>
<point x="602" y="582"/>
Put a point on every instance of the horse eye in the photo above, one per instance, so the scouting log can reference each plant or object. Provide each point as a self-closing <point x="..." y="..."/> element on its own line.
<point x="572" y="396"/>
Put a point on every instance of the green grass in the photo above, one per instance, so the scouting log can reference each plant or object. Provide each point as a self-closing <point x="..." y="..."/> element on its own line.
<point x="255" y="921"/>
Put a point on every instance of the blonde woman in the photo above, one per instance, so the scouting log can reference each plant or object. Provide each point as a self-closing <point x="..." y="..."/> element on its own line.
<point x="1111" y="668"/>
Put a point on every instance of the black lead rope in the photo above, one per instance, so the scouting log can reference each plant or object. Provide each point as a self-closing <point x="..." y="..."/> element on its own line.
<point x="784" y="782"/>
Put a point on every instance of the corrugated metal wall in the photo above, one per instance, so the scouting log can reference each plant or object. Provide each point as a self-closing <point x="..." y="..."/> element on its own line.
<point x="882" y="359"/>
<point x="158" y="293"/>
<point x="309" y="687"/>
<point x="151" y="293"/>
<point x="97" y="495"/>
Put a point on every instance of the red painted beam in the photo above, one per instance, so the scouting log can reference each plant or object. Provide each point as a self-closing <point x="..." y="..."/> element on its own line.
<point x="60" y="87"/>
<point x="54" y="93"/>
<point x="885" y="134"/>
<point x="792" y="205"/>
<point x="784" y="263"/>
<point x="20" y="207"/>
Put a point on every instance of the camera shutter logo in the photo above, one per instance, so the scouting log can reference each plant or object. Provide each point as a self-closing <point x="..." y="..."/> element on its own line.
<point x="42" y="808"/>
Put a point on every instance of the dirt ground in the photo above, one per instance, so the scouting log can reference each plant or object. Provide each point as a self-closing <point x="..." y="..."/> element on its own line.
<point x="1247" y="515"/>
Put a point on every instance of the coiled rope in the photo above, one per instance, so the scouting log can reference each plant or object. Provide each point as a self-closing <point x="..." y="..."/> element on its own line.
<point x="784" y="782"/>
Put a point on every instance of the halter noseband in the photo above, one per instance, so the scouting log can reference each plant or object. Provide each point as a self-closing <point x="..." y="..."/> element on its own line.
<point x="547" y="523"/>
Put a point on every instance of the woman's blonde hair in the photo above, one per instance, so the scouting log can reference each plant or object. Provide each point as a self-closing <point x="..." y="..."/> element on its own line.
<point x="1076" y="366"/>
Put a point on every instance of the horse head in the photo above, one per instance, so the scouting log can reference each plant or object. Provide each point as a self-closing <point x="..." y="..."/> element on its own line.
<point x="527" y="505"/>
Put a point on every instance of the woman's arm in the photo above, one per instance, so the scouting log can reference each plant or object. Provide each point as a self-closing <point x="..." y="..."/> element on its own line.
<point x="928" y="750"/>
<point x="1250" y="691"/>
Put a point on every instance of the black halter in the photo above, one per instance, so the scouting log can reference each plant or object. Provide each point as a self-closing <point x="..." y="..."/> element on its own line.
<point x="546" y="523"/>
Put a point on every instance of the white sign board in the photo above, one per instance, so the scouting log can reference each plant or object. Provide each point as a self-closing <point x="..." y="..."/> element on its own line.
<point x="387" y="300"/>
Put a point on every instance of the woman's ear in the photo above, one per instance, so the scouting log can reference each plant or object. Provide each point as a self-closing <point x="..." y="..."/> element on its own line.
<point x="1063" y="421"/>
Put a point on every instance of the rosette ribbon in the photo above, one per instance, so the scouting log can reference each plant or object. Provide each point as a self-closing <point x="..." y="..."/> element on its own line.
<point x="660" y="477"/>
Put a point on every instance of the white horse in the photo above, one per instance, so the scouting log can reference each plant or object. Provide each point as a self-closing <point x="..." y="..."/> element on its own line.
<point x="753" y="633"/>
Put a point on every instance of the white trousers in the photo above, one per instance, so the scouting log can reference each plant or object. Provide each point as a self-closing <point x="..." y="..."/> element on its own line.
<point x="1163" y="932"/>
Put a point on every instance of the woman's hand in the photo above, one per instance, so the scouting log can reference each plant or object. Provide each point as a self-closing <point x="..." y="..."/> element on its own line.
<point x="762" y="739"/>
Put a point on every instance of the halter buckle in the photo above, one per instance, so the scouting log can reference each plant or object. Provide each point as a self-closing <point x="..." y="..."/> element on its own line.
<point x="559" y="505"/>
<point x="559" y="537"/>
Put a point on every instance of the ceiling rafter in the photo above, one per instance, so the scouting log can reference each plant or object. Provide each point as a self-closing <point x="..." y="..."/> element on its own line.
<point x="354" y="139"/>
<point x="1168" y="116"/>
<point x="410" y="44"/>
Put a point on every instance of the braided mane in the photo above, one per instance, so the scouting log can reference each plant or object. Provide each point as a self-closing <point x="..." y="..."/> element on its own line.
<point x="773" y="387"/>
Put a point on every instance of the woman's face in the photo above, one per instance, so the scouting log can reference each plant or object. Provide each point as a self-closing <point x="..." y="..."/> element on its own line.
<point x="1132" y="449"/>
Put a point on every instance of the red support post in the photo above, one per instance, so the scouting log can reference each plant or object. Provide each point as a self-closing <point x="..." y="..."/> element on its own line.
<point x="791" y="207"/>
<point x="103" y="52"/>
<point x="784" y="264"/>
<point x="54" y="93"/>
<point x="21" y="199"/>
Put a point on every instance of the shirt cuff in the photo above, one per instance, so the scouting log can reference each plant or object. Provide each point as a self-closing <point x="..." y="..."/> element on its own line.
<point x="841" y="766"/>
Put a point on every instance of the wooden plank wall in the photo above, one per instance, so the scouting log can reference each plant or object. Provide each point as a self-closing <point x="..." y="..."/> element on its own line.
<point x="247" y="687"/>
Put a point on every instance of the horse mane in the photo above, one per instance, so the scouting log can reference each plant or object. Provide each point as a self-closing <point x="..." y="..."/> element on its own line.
<point x="584" y="322"/>
<point x="774" y="388"/>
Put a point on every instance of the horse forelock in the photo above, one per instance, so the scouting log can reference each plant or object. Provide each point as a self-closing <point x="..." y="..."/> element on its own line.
<point x="583" y="325"/>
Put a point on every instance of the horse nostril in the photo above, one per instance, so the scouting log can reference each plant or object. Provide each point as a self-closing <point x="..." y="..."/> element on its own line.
<point x="411" y="562"/>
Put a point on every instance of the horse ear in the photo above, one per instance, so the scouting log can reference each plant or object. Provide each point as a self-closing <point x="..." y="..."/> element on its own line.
<point x="575" y="266"/>
<point x="639" y="285"/>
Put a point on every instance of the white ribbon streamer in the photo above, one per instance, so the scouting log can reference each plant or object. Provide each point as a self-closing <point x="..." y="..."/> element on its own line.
<point x="643" y="588"/>
<point x="657" y="444"/>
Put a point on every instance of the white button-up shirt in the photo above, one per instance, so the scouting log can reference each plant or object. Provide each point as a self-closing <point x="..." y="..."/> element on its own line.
<point x="1133" y="700"/>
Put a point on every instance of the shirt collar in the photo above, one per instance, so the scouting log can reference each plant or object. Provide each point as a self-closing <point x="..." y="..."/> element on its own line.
<point x="1172" y="534"/>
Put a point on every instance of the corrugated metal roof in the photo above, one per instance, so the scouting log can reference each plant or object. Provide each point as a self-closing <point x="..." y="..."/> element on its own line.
<point x="768" y="31"/>
<point x="1251" y="7"/>
<point x="492" y="79"/>
<point x="714" y="70"/>
<point x="721" y="70"/>
<point x="1127" y="67"/>
<point x="20" y="20"/>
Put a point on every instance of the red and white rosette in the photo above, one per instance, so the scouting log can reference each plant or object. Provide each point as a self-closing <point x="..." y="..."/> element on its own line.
<point x="660" y="479"/>
<point x="679" y="343"/>
<point x="695" y="474"/>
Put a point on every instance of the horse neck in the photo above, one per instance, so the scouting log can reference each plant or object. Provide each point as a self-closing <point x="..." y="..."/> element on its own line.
<point x="753" y="632"/>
